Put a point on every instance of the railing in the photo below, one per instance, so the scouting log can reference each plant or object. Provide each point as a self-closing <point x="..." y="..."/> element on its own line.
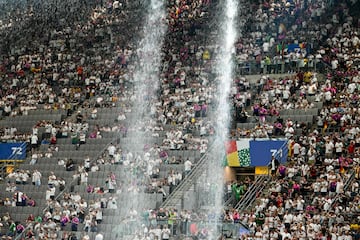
<point x="251" y="67"/>
<point x="196" y="172"/>
<point x="184" y="228"/>
<point x="250" y="195"/>
<point x="229" y="201"/>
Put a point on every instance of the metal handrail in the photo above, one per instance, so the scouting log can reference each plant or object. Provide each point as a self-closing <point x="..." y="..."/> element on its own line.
<point x="254" y="195"/>
<point x="229" y="200"/>
<point x="196" y="171"/>
<point x="248" y="192"/>
<point x="250" y="197"/>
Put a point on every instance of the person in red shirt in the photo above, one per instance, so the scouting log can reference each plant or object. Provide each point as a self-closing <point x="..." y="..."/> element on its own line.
<point x="351" y="148"/>
<point x="80" y="72"/>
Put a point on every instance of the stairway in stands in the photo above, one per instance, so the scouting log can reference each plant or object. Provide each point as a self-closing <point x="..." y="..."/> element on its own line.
<point x="177" y="197"/>
<point x="250" y="196"/>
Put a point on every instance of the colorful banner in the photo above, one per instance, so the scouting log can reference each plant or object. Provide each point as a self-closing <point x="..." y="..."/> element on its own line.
<point x="252" y="153"/>
<point x="13" y="150"/>
<point x="232" y="155"/>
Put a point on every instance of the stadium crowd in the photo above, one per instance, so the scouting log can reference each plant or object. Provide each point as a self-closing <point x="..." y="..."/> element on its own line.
<point x="90" y="68"/>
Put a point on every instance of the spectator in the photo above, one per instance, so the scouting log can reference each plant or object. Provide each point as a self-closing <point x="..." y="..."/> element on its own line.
<point x="187" y="166"/>
<point x="36" y="178"/>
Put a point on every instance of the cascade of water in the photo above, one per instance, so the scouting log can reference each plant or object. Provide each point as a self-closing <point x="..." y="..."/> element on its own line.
<point x="224" y="70"/>
<point x="145" y="81"/>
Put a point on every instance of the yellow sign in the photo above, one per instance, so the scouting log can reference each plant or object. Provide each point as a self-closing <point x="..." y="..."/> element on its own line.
<point x="262" y="170"/>
<point x="233" y="159"/>
<point x="9" y="169"/>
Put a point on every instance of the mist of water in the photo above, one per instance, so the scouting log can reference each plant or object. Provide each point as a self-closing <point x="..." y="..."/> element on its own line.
<point x="146" y="83"/>
<point x="224" y="70"/>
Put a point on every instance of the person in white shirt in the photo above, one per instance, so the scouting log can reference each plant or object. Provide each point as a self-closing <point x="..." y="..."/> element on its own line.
<point x="312" y="89"/>
<point x="291" y="171"/>
<point x="289" y="131"/>
<point x="24" y="177"/>
<point x="99" y="236"/>
<point x="327" y="204"/>
<point x="296" y="149"/>
<point x="288" y="204"/>
<point x="87" y="223"/>
<point x="304" y="169"/>
<point x="94" y="113"/>
<point x="50" y="193"/>
<point x="36" y="178"/>
<point x="334" y="64"/>
<point x="34" y="142"/>
<point x="112" y="203"/>
<point x="286" y="94"/>
<point x="329" y="147"/>
<point x="298" y="218"/>
<point x="288" y="219"/>
<point x="339" y="148"/>
<point x="273" y="234"/>
<point x="272" y="208"/>
<point x="355" y="187"/>
<point x="158" y="232"/>
<point x="286" y="235"/>
<point x="166" y="233"/>
<point x="34" y="158"/>
<point x="83" y="177"/>
<point x="339" y="186"/>
<point x="111" y="150"/>
<point x="328" y="97"/>
<point x="82" y="138"/>
<point x="187" y="166"/>
<point x="258" y="234"/>
<point x="266" y="46"/>
<point x="324" y="187"/>
<point x="52" y="179"/>
<point x="300" y="203"/>
<point x="178" y="177"/>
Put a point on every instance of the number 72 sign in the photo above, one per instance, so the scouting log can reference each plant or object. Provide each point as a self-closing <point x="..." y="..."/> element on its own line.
<point x="15" y="151"/>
